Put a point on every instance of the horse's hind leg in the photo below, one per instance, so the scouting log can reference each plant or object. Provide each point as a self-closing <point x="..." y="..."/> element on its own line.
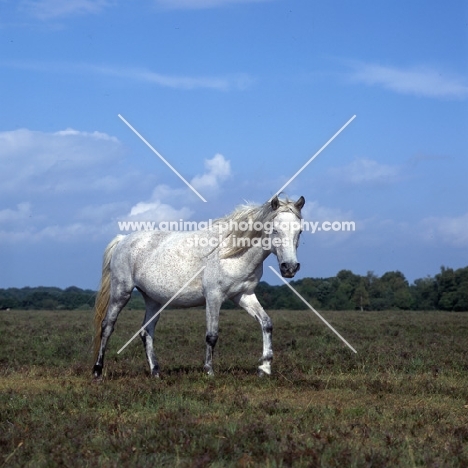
<point x="213" y="304"/>
<point x="118" y="300"/>
<point x="147" y="334"/>
<point x="249" y="302"/>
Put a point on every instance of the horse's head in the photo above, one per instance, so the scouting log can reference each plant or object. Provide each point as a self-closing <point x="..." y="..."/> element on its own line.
<point x="285" y="232"/>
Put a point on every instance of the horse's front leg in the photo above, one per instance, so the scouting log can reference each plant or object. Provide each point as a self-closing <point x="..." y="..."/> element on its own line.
<point x="249" y="302"/>
<point x="213" y="304"/>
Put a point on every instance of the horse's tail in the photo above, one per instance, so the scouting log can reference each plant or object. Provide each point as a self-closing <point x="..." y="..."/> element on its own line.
<point x="103" y="295"/>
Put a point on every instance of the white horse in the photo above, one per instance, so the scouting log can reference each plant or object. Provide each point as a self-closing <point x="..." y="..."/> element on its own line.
<point x="232" y="251"/>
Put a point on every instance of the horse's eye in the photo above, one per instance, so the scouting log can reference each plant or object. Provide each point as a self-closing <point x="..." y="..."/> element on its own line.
<point x="275" y="231"/>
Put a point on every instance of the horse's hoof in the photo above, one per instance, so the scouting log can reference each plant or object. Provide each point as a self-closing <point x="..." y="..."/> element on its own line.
<point x="97" y="371"/>
<point x="208" y="371"/>
<point x="263" y="370"/>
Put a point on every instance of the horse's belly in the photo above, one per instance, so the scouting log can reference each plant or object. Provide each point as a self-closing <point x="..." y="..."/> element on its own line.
<point x="171" y="277"/>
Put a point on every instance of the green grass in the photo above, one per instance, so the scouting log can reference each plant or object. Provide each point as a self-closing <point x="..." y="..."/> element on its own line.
<point x="401" y="401"/>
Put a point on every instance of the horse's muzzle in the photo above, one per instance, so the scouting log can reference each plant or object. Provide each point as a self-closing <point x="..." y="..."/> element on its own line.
<point x="288" y="270"/>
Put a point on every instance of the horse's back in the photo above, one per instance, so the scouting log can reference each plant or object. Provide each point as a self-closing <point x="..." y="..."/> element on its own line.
<point x="159" y="263"/>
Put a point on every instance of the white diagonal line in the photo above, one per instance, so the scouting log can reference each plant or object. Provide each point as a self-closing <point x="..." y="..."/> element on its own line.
<point x="314" y="156"/>
<point x="161" y="157"/>
<point x="311" y="308"/>
<point x="161" y="309"/>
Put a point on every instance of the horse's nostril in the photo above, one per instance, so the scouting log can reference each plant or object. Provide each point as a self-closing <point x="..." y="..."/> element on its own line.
<point x="288" y="270"/>
<point x="290" y="266"/>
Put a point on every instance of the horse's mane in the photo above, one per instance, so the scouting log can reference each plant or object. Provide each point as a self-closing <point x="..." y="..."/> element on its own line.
<point x="229" y="224"/>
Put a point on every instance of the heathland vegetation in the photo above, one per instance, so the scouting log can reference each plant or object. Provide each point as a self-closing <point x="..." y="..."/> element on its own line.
<point x="447" y="290"/>
<point x="401" y="401"/>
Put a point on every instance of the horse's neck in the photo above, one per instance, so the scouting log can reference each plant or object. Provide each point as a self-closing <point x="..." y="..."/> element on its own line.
<point x="256" y="255"/>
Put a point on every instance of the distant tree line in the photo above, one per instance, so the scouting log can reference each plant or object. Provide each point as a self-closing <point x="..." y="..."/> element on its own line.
<point x="50" y="298"/>
<point x="448" y="290"/>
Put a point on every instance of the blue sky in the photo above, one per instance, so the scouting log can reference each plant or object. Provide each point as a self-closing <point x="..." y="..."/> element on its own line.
<point x="237" y="95"/>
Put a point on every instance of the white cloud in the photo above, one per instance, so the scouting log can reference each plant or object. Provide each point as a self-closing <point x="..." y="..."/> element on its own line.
<point x="33" y="161"/>
<point x="201" y="4"/>
<point x="313" y="211"/>
<point x="101" y="213"/>
<point x="23" y="211"/>
<point x="218" y="170"/>
<point x="239" y="81"/>
<point x="419" y="81"/>
<point x="62" y="173"/>
<point x="366" y="171"/>
<point x="66" y="232"/>
<point x="158" y="211"/>
<point x="159" y="207"/>
<point x="314" y="214"/>
<point x="161" y="204"/>
<point x="95" y="135"/>
<point x="90" y="222"/>
<point x="80" y="188"/>
<point x="52" y="9"/>
<point x="452" y="231"/>
<point x="71" y="232"/>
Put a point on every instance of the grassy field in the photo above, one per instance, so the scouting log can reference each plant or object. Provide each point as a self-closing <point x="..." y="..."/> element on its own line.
<point x="401" y="401"/>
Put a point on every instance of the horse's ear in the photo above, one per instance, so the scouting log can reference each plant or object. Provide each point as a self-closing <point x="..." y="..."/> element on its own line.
<point x="275" y="203"/>
<point x="300" y="203"/>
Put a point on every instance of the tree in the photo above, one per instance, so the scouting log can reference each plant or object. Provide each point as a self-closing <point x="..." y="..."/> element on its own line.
<point x="344" y="285"/>
<point x="424" y="294"/>
<point x="360" y="297"/>
<point x="452" y="288"/>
